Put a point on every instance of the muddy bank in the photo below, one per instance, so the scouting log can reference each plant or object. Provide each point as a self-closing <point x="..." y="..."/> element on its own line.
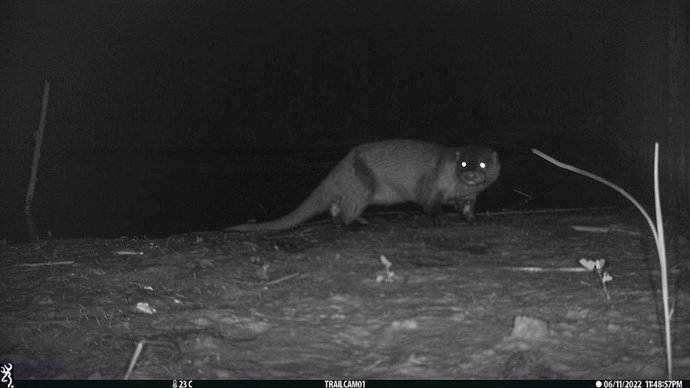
<point x="499" y="299"/>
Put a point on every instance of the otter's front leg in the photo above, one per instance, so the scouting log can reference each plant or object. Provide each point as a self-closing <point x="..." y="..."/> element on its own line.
<point x="466" y="208"/>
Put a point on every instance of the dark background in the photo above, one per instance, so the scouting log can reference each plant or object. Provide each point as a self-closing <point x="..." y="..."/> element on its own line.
<point x="176" y="116"/>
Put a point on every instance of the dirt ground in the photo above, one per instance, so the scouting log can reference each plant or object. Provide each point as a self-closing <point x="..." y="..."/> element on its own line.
<point x="503" y="298"/>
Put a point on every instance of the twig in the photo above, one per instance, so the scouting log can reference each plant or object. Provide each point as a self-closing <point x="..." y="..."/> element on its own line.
<point x="135" y="357"/>
<point x="49" y="263"/>
<point x="31" y="226"/>
<point x="544" y="269"/>
<point x="263" y="283"/>
<point x="284" y="278"/>
<point x="137" y="353"/>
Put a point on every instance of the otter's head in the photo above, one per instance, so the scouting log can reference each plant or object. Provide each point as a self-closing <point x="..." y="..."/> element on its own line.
<point x="477" y="166"/>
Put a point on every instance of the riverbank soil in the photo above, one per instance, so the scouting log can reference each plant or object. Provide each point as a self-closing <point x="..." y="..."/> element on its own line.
<point x="397" y="298"/>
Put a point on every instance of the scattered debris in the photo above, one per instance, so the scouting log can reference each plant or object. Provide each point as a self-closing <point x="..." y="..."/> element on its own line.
<point x="388" y="275"/>
<point x="407" y="324"/>
<point x="544" y="269"/>
<point x="127" y="252"/>
<point x="145" y="308"/>
<point x="606" y="229"/>
<point x="591" y="229"/>
<point x="597" y="266"/>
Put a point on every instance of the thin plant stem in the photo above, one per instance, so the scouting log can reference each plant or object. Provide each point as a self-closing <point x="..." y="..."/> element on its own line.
<point x="661" y="247"/>
<point x="30" y="225"/>
<point x="604" y="181"/>
<point x="657" y="232"/>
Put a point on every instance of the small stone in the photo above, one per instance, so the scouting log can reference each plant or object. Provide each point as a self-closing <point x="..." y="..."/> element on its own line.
<point x="577" y="314"/>
<point x="529" y="328"/>
<point x="407" y="324"/>
<point x="202" y="322"/>
<point x="613" y="327"/>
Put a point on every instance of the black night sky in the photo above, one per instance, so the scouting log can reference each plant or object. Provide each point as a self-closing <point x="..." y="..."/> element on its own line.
<point x="176" y="116"/>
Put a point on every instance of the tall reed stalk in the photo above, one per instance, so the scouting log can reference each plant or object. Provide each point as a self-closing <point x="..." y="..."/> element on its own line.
<point x="657" y="232"/>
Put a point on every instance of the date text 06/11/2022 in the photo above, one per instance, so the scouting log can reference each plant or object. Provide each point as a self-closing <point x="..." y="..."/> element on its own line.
<point x="639" y="384"/>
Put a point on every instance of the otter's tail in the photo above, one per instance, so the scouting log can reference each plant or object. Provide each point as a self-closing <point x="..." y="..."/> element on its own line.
<point x="316" y="203"/>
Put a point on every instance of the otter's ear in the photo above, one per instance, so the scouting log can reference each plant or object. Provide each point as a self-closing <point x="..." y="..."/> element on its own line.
<point x="457" y="156"/>
<point x="494" y="155"/>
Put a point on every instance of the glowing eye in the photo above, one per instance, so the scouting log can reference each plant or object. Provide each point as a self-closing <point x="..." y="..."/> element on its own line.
<point x="463" y="164"/>
<point x="482" y="165"/>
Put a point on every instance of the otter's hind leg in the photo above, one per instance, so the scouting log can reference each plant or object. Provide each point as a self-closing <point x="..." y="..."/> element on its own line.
<point x="358" y="194"/>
